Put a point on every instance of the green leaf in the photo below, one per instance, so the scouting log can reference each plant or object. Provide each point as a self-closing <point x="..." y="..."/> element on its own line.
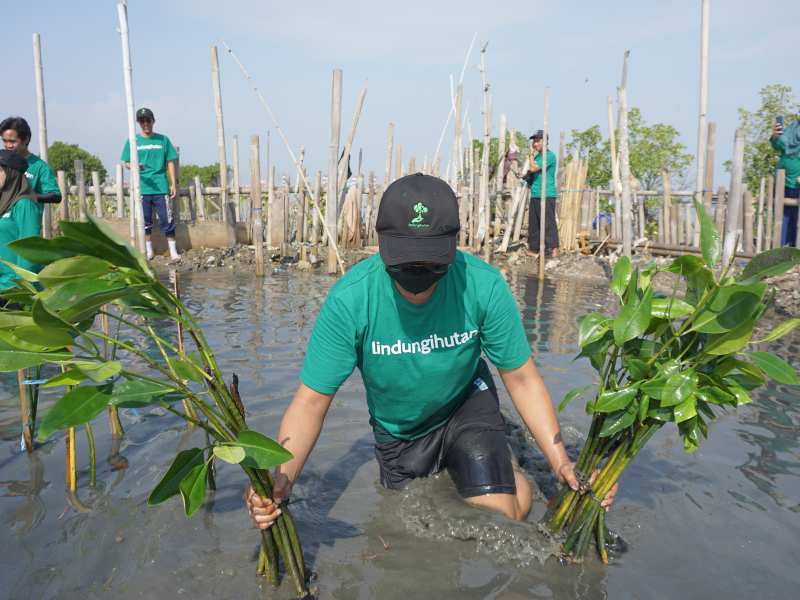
<point x="780" y="331"/>
<point x="69" y="377"/>
<point x="688" y="430"/>
<point x="23" y="274"/>
<point x="571" y="395"/>
<point x="644" y="406"/>
<point x="193" y="489"/>
<point x="634" y="318"/>
<point x="42" y="252"/>
<point x="621" y="277"/>
<point x="9" y="341"/>
<point x="230" y="454"/>
<point x="76" y="407"/>
<point x="43" y="336"/>
<point x="710" y="244"/>
<point x="136" y="393"/>
<point x="75" y="267"/>
<point x="46" y="318"/>
<point x="260" y="451"/>
<point x="715" y="395"/>
<point x="730" y="342"/>
<point x="169" y="485"/>
<point x="661" y="413"/>
<point x="732" y="305"/>
<point x="186" y="369"/>
<point x="591" y="328"/>
<point x="686" y="409"/>
<point x="776" y="368"/>
<point x="637" y="368"/>
<point x="770" y="263"/>
<point x="679" y="387"/>
<point x="77" y="301"/>
<point x="742" y="397"/>
<point x="11" y="319"/>
<point x="608" y="402"/>
<point x="655" y="387"/>
<point x="98" y="371"/>
<point x="670" y="308"/>
<point x="617" y="421"/>
<point x="12" y="360"/>
<point x="97" y="240"/>
<point x="686" y="265"/>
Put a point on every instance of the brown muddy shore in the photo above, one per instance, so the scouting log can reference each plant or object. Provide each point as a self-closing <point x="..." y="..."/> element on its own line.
<point x="574" y="266"/>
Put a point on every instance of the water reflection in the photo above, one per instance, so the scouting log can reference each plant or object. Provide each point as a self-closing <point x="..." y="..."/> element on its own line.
<point x="30" y="510"/>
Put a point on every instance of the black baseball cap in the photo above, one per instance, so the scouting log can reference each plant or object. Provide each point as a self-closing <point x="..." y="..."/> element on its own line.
<point x="537" y="135"/>
<point x="145" y="113"/>
<point x="417" y="221"/>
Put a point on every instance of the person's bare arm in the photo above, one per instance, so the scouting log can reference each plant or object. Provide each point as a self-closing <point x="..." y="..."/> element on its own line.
<point x="532" y="401"/>
<point x="300" y="428"/>
<point x="173" y="180"/>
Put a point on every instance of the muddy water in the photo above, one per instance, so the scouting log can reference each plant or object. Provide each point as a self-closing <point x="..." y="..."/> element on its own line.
<point x="721" y="523"/>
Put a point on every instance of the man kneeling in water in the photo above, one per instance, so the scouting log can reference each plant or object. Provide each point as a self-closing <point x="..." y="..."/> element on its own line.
<point x="415" y="319"/>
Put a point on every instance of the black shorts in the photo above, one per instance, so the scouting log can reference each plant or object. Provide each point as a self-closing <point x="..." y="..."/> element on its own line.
<point x="471" y="446"/>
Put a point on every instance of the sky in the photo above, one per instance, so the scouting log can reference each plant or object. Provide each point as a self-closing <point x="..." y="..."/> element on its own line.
<point x="404" y="52"/>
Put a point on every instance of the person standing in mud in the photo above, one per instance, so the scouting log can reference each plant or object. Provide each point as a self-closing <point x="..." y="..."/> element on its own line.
<point x="16" y="135"/>
<point x="416" y="319"/>
<point x="534" y="176"/>
<point x="787" y="144"/>
<point x="157" y="158"/>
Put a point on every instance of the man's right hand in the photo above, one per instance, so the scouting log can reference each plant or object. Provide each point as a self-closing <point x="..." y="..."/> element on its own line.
<point x="265" y="511"/>
<point x="777" y="130"/>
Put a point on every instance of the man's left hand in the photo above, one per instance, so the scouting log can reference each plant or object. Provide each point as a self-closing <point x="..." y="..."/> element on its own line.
<point x="566" y="475"/>
<point x="173" y="191"/>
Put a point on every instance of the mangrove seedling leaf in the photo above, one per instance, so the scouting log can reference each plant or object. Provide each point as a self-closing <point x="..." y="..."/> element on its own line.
<point x="591" y="328"/>
<point x="169" y="485"/>
<point x="671" y="308"/>
<point x="617" y="421"/>
<point x="686" y="409"/>
<point x="715" y="395"/>
<point x="608" y="402"/>
<point x="770" y="263"/>
<point x="776" y="368"/>
<point x="644" y="406"/>
<point x="741" y="395"/>
<point x="12" y="319"/>
<point x="732" y="305"/>
<point x="679" y="387"/>
<point x="75" y="267"/>
<point x="46" y="337"/>
<point x="634" y="318"/>
<point x="98" y="371"/>
<point x="779" y="331"/>
<point x="46" y="318"/>
<point x="76" y="407"/>
<point x="661" y="413"/>
<point x="230" y="454"/>
<point x="23" y="274"/>
<point x="730" y="342"/>
<point x="621" y="276"/>
<point x="69" y="377"/>
<point x="637" y="368"/>
<point x="654" y="388"/>
<point x="710" y="244"/>
<point x="260" y="451"/>
<point x="186" y="369"/>
<point x="688" y="430"/>
<point x="42" y="252"/>
<point x="12" y="360"/>
<point x="136" y="393"/>
<point x="193" y="489"/>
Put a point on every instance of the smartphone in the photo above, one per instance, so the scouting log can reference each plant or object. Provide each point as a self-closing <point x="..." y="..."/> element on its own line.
<point x="779" y="121"/>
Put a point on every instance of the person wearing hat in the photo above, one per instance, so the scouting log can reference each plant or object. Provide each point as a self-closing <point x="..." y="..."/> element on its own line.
<point x="787" y="144"/>
<point x="16" y="135"/>
<point x="416" y="319"/>
<point x="534" y="176"/>
<point x="157" y="158"/>
<point x="20" y="217"/>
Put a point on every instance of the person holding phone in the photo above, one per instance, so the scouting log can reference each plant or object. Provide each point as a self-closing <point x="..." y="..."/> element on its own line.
<point x="786" y="141"/>
<point x="536" y="179"/>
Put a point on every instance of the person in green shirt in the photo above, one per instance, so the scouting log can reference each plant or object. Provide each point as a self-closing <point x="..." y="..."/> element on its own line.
<point x="19" y="215"/>
<point x="419" y="320"/>
<point x="157" y="158"/>
<point x="787" y="144"/>
<point x="534" y="176"/>
<point x="16" y="135"/>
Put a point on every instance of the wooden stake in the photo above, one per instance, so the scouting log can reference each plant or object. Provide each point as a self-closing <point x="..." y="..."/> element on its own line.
<point x="255" y="203"/>
<point x="332" y="193"/>
<point x="315" y="222"/>
<point x="25" y="411"/>
<point x="770" y="208"/>
<point x="237" y="197"/>
<point x="669" y="235"/>
<point x="80" y="184"/>
<point x="617" y="185"/>
<point x="369" y="214"/>
<point x="625" y="174"/>
<point x="98" y="195"/>
<point x="543" y="187"/>
<point x="221" y="154"/>
<point x="61" y="177"/>
<point x="483" y="190"/>
<point x="41" y="113"/>
<point x="760" y="216"/>
<point x="711" y="144"/>
<point x="387" y="173"/>
<point x="71" y="467"/>
<point x="733" y="231"/>
<point x="119" y="192"/>
<point x="701" y="121"/>
<point x="350" y="136"/>
<point x="201" y="201"/>
<point x="137" y="237"/>
<point x="399" y="162"/>
<point x="777" y="215"/>
<point x="748" y="222"/>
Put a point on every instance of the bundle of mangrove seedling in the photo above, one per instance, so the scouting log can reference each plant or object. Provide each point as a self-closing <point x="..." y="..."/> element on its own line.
<point x="678" y="358"/>
<point x="50" y="319"/>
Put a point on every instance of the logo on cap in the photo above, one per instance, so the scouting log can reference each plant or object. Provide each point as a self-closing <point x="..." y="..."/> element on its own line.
<point x="417" y="222"/>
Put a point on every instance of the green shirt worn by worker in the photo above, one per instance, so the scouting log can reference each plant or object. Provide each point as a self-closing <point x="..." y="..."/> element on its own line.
<point x="536" y="182"/>
<point x="41" y="179"/>
<point x="154" y="153"/>
<point x="417" y="361"/>
<point x="24" y="219"/>
<point x="790" y="164"/>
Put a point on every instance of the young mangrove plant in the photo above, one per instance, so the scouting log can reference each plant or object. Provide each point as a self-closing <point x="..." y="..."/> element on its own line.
<point x="50" y="319"/>
<point x="678" y="358"/>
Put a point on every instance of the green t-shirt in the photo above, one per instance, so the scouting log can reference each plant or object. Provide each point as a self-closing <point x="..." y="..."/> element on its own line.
<point x="416" y="361"/>
<point x="41" y="179"/>
<point x="23" y="220"/>
<point x="536" y="183"/>
<point x="154" y="153"/>
<point x="790" y="164"/>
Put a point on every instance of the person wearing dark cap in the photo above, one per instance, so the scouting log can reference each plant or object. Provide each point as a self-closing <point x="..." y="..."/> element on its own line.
<point x="536" y="179"/>
<point x="157" y="158"/>
<point x="417" y="319"/>
<point x="19" y="215"/>
<point x="16" y="135"/>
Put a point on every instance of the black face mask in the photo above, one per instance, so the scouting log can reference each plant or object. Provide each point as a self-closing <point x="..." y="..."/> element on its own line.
<point x="416" y="278"/>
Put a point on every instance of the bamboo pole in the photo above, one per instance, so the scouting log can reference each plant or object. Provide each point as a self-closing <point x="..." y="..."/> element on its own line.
<point x="777" y="214"/>
<point x="412" y="166"/>
<point x="369" y="213"/>
<point x="760" y="217"/>
<point x="562" y="149"/>
<point x="483" y="190"/>
<point x="770" y="207"/>
<point x="748" y="222"/>
<point x="80" y="184"/>
<point x="499" y="174"/>
<point x="517" y="197"/>
<point x="256" y="204"/>
<point x="711" y="144"/>
<point x="71" y="470"/>
<point x="98" y="195"/>
<point x="733" y="231"/>
<point x="114" y="424"/>
<point x="119" y="192"/>
<point x="137" y="234"/>
<point x="398" y="173"/>
<point x="701" y="121"/>
<point x="315" y="222"/>
<point x="616" y="184"/>
<point x="458" y="142"/>
<point x="387" y="172"/>
<point x="237" y="195"/>
<point x="41" y="113"/>
<point x="25" y="411"/>
<point x="543" y="182"/>
<point x="201" y="201"/>
<point x="362" y="96"/>
<point x="221" y="153"/>
<point x="61" y="177"/>
<point x="722" y="202"/>
<point x="625" y="174"/>
<point x="331" y="196"/>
